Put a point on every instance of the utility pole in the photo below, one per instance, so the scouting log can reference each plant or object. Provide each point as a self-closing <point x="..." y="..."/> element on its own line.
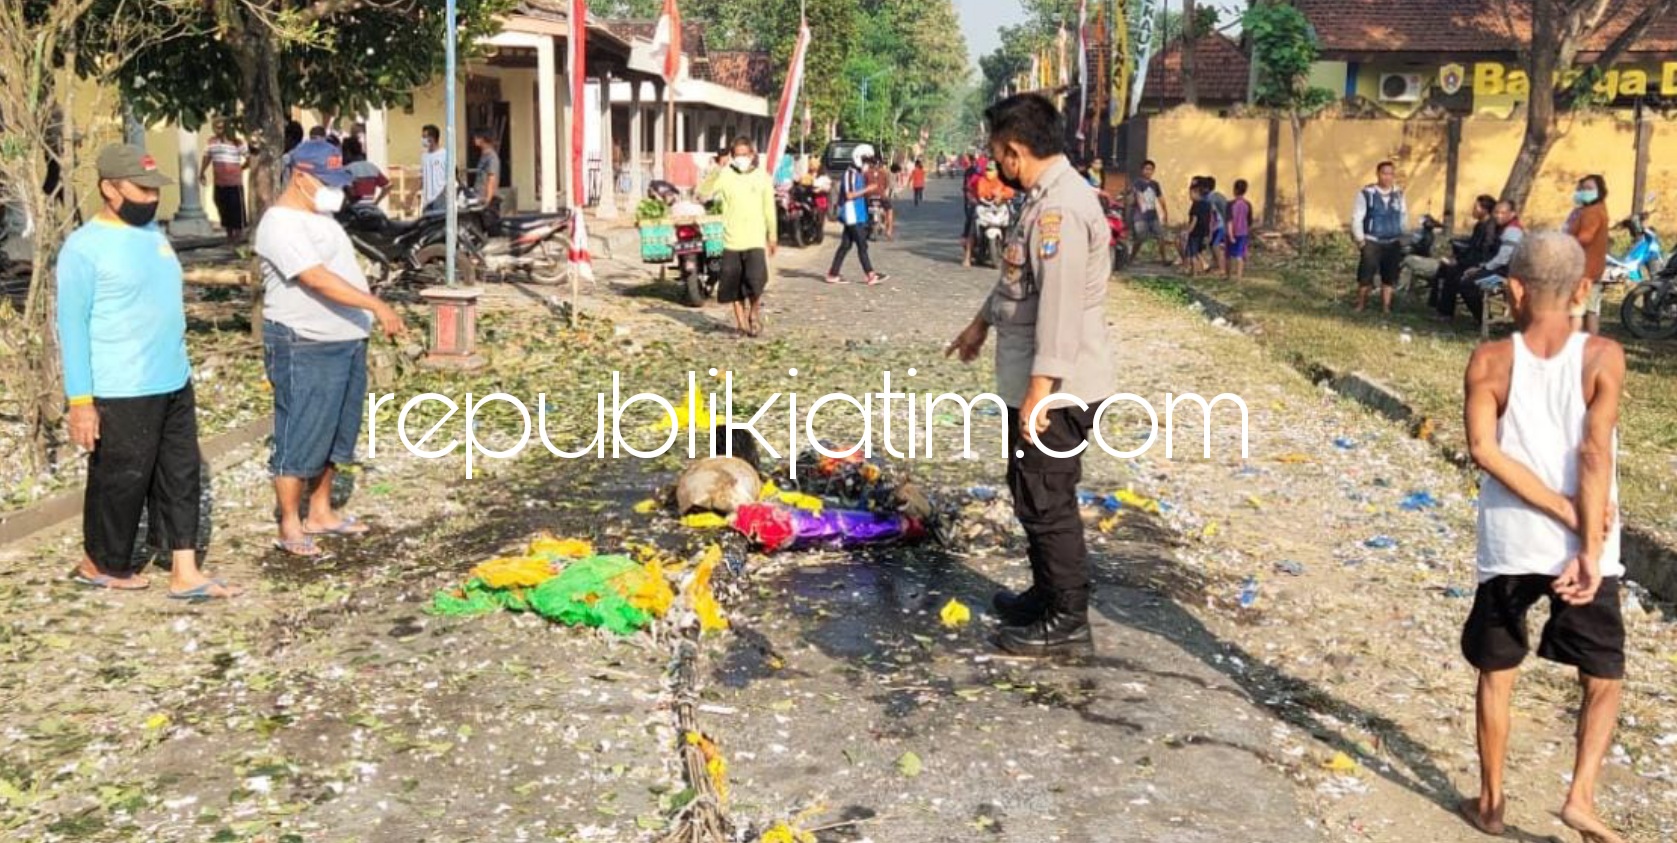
<point x="1190" y="33"/>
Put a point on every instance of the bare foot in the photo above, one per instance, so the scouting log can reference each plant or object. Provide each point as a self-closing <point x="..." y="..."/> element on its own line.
<point x="1487" y="822"/>
<point x="1584" y="821"/>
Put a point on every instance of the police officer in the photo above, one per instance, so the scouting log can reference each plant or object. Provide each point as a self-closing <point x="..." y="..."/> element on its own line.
<point x="1053" y="367"/>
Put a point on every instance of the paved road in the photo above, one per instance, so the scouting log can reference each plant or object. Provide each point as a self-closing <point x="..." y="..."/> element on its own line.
<point x="1155" y="739"/>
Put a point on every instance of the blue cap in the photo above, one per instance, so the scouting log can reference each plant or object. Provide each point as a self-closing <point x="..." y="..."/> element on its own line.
<point x="322" y="160"/>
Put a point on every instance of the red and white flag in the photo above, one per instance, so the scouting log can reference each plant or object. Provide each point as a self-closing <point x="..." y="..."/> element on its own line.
<point x="1082" y="65"/>
<point x="666" y="41"/>
<point x="577" y="67"/>
<point x="788" y="100"/>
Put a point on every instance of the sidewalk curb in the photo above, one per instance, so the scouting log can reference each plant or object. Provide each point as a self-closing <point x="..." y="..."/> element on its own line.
<point x="1647" y="560"/>
<point x="222" y="451"/>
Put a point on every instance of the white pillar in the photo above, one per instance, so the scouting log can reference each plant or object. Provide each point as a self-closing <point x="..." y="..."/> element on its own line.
<point x="607" y="209"/>
<point x="189" y="218"/>
<point x="680" y="129"/>
<point x="547" y="117"/>
<point x="567" y="178"/>
<point x="660" y="92"/>
<point x="378" y="139"/>
<point x="637" y="140"/>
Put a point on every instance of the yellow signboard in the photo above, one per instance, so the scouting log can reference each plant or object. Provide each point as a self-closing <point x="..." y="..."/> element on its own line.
<point x="1493" y="79"/>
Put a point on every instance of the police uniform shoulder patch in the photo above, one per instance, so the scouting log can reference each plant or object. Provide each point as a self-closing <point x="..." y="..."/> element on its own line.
<point x="1048" y="234"/>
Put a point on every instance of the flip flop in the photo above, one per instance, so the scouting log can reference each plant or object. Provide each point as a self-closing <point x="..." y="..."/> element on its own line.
<point x="203" y="592"/>
<point x="105" y="581"/>
<point x="344" y="529"/>
<point x="306" y="549"/>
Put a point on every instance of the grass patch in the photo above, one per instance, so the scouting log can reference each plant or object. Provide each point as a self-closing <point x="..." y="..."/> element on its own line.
<point x="1303" y="306"/>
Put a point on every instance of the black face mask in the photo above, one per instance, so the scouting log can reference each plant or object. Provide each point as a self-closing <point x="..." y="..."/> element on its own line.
<point x="137" y="214"/>
<point x="1013" y="184"/>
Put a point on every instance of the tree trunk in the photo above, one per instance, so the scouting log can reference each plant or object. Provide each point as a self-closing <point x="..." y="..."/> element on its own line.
<point x="1190" y="88"/>
<point x="1298" y="168"/>
<point x="257" y="53"/>
<point x="1545" y="58"/>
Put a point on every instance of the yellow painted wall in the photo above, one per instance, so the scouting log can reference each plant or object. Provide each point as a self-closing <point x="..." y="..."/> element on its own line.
<point x="1341" y="154"/>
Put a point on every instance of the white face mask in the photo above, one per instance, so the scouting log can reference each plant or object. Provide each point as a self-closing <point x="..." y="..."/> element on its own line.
<point x="328" y="200"/>
<point x="742" y="163"/>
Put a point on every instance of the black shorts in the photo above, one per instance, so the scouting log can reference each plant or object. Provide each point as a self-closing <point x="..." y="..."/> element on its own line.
<point x="146" y="459"/>
<point x="230" y="205"/>
<point x="744" y="275"/>
<point x="1590" y="638"/>
<point x="1383" y="259"/>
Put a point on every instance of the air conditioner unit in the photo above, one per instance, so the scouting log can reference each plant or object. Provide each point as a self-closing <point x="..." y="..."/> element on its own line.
<point x="1400" y="87"/>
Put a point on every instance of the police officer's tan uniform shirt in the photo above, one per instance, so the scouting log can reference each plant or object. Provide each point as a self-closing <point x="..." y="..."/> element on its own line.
<point x="1049" y="306"/>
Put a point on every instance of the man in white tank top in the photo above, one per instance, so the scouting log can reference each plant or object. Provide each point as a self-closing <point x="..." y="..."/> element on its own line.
<point x="1542" y="414"/>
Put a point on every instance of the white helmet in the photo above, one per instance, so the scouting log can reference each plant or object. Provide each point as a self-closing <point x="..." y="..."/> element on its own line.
<point x="863" y="152"/>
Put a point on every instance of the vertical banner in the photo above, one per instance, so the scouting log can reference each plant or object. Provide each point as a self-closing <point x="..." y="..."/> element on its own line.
<point x="1082" y="69"/>
<point x="788" y="98"/>
<point x="1143" y="51"/>
<point x="1062" y="69"/>
<point x="577" y="67"/>
<point x="1119" y="101"/>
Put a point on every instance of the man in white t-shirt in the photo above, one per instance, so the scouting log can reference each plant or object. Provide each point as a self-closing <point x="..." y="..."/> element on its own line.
<point x="317" y="312"/>
<point x="433" y="170"/>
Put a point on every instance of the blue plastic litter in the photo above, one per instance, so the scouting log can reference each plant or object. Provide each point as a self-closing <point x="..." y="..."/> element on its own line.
<point x="983" y="493"/>
<point x="1249" y="593"/>
<point x="1345" y="443"/>
<point x="1381" y="543"/>
<point x="1456" y="592"/>
<point x="1085" y="498"/>
<point x="1290" y="568"/>
<point x="1110" y="503"/>
<point x="1417" y="501"/>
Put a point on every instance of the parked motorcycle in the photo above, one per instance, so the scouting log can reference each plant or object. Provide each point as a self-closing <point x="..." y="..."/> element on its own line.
<point x="876" y="217"/>
<point x="404" y="251"/>
<point x="535" y="245"/>
<point x="800" y="217"/>
<point x="1645" y="258"/>
<point x="1422" y="244"/>
<point x="1120" y="241"/>
<point x="992" y="220"/>
<point x="699" y="271"/>
<point x="1649" y="311"/>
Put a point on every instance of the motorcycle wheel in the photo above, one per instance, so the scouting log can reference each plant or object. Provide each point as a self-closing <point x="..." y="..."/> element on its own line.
<point x="693" y="284"/>
<point x="1120" y="255"/>
<point x="1650" y="312"/>
<point x="800" y="237"/>
<point x="817" y="229"/>
<point x="433" y="260"/>
<point x="547" y="271"/>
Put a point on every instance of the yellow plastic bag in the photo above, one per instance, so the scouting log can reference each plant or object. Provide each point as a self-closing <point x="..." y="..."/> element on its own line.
<point x="511" y="572"/>
<point x="716" y="767"/>
<point x="807" y="503"/>
<point x="550" y="546"/>
<point x="1141" y="502"/>
<point x="703" y="521"/>
<point x="955" y="613"/>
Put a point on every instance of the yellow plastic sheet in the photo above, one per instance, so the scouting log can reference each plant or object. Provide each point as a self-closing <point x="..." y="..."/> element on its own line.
<point x="1141" y="502"/>
<point x="507" y="573"/>
<point x="704" y="600"/>
<point x="652" y="593"/>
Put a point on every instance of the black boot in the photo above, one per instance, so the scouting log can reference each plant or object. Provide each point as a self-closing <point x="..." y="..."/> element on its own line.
<point x="1021" y="609"/>
<point x="1062" y="631"/>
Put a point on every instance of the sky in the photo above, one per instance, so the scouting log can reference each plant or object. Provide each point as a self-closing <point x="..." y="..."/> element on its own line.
<point x="981" y="18"/>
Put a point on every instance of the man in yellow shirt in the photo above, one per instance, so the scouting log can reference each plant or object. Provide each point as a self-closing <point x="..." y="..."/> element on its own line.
<point x="749" y="233"/>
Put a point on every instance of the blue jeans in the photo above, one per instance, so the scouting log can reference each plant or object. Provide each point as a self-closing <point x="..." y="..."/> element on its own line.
<point x="320" y="388"/>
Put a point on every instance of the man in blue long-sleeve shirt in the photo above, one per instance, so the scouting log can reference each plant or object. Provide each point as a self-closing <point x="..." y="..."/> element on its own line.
<point x="122" y="333"/>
